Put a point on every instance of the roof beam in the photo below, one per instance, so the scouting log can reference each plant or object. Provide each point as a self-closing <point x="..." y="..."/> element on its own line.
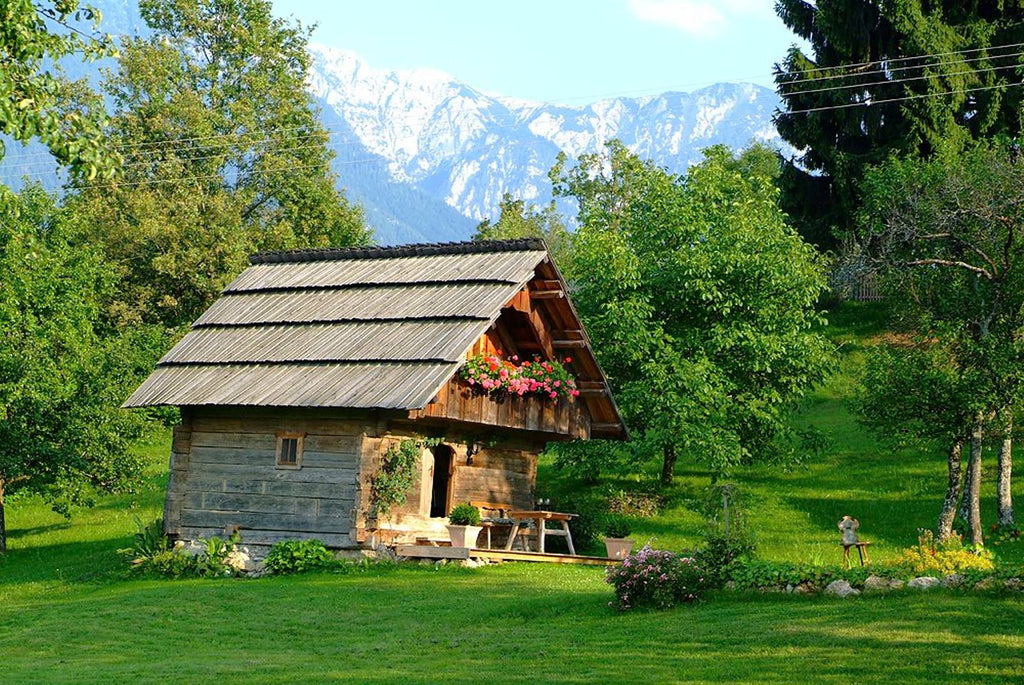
<point x="547" y="294"/>
<point x="567" y="344"/>
<point x="606" y="427"/>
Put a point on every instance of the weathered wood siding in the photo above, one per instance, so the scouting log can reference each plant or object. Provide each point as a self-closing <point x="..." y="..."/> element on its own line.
<point x="224" y="473"/>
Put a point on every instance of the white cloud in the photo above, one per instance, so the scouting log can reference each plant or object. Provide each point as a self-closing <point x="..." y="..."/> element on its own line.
<point x="702" y="18"/>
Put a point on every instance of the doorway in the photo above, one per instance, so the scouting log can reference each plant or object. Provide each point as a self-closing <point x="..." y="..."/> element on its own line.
<point x="441" y="483"/>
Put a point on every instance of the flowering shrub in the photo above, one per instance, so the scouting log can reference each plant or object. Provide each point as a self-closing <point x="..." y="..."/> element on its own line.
<point x="944" y="557"/>
<point x="655" y="578"/>
<point x="493" y="374"/>
<point x="1000" y="535"/>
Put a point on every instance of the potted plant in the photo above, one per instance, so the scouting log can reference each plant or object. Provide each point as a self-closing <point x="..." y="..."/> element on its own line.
<point x="464" y="525"/>
<point x="616" y="541"/>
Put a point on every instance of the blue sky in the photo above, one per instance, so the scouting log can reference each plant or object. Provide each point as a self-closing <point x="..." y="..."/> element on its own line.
<point x="568" y="51"/>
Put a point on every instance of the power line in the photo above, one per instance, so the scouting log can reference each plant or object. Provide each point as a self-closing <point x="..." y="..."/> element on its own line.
<point x="890" y="82"/>
<point x="45" y="14"/>
<point x="905" y="59"/>
<point x="868" y="103"/>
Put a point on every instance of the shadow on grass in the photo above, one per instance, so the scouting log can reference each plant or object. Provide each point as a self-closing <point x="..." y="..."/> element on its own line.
<point x="14" y="533"/>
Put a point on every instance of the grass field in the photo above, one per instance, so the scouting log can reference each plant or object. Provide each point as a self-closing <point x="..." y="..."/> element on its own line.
<point x="68" y="615"/>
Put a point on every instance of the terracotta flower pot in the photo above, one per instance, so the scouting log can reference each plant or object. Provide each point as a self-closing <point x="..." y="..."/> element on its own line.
<point x="463" y="536"/>
<point x="618" y="548"/>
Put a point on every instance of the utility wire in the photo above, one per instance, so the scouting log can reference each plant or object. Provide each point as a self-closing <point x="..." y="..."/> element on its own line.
<point x="864" y="86"/>
<point x="868" y="103"/>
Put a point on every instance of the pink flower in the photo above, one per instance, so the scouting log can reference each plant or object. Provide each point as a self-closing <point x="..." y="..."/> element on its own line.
<point x="553" y="395"/>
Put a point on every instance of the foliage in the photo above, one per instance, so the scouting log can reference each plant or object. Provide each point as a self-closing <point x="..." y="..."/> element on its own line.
<point x="617" y="527"/>
<point x="505" y="376"/>
<point x="655" y="579"/>
<point x="38" y="102"/>
<point x="965" y="91"/>
<point x="946" y="235"/>
<point x="700" y="301"/>
<point x="390" y="485"/>
<point x="464" y="514"/>
<point x="590" y="509"/>
<point x="759" y="574"/>
<point x="719" y="550"/>
<point x="298" y="556"/>
<point x="587" y="460"/>
<point x="944" y="557"/>
<point x="153" y="555"/>
<point x="224" y="155"/>
<point x="64" y="371"/>
<point x="635" y="503"/>
<point x="517" y="220"/>
<point x="1001" y="535"/>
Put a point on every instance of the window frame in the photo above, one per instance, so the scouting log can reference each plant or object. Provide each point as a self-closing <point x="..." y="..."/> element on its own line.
<point x="300" y="439"/>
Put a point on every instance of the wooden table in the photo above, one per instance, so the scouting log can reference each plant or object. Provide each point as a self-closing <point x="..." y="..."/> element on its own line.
<point x="540" y="518"/>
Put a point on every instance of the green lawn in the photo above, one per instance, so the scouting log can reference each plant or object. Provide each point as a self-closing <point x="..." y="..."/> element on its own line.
<point x="67" y="614"/>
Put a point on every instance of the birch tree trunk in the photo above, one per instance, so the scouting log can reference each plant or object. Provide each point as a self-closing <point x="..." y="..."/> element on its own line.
<point x="954" y="487"/>
<point x="972" y="495"/>
<point x="1004" y="479"/>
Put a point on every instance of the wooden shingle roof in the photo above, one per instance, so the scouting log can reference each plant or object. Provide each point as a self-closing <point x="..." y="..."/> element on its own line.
<point x="366" y="328"/>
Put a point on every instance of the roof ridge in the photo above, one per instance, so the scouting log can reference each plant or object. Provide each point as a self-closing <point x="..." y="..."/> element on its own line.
<point x="388" y="252"/>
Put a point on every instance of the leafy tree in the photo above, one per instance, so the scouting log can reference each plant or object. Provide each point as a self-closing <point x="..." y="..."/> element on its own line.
<point x="63" y="371"/>
<point x="224" y="155"/>
<point x="37" y="102"/>
<point x="934" y="71"/>
<point x="947" y="234"/>
<point x="916" y="395"/>
<point x="701" y="302"/>
<point x="517" y="220"/>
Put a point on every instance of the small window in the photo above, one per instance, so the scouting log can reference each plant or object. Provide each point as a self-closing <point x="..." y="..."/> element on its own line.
<point x="289" y="450"/>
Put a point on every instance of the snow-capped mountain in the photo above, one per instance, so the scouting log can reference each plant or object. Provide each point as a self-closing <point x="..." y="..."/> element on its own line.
<point x="468" y="147"/>
<point x="429" y="157"/>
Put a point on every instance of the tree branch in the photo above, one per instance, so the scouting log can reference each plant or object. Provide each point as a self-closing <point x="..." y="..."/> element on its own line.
<point x="949" y="262"/>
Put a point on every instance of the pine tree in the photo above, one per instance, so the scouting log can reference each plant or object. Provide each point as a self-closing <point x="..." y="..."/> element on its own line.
<point x="939" y="74"/>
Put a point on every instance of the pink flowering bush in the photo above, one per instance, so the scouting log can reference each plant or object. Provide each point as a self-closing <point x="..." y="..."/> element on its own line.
<point x="492" y="374"/>
<point x="655" y="578"/>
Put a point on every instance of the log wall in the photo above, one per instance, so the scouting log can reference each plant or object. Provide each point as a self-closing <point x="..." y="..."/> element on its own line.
<point x="224" y="473"/>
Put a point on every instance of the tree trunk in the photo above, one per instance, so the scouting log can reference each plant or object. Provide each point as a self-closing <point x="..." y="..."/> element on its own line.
<point x="954" y="485"/>
<point x="3" y="524"/>
<point x="668" y="466"/>
<point x="1003" y="482"/>
<point x="973" y="495"/>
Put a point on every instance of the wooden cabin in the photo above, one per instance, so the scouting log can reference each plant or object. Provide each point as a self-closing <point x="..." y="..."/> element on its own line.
<point x="313" y="363"/>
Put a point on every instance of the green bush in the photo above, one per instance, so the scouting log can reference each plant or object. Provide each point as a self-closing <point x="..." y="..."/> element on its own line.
<point x="656" y="579"/>
<point x="588" y="523"/>
<point x="617" y="527"/>
<point x="298" y="556"/>
<point x="718" y="552"/>
<point x="464" y="515"/>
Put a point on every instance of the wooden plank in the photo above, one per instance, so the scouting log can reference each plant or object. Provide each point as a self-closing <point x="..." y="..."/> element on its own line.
<point x="568" y="344"/>
<point x="269" y="537"/>
<point x="261" y="521"/>
<point x="514" y="555"/>
<point x="432" y="552"/>
<point x="258" y="504"/>
<point x="272" y="423"/>
<point x="239" y="486"/>
<point x="547" y="294"/>
<point x="269" y="472"/>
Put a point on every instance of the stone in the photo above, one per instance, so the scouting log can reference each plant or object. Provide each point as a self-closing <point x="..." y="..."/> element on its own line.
<point x="469" y="563"/>
<point x="805" y="588"/>
<point x="1014" y="584"/>
<point x="731" y="585"/>
<point x="986" y="584"/>
<point x="924" y="583"/>
<point x="790" y="588"/>
<point x="953" y="580"/>
<point x="841" y="588"/>
<point x="875" y="583"/>
<point x="897" y="584"/>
